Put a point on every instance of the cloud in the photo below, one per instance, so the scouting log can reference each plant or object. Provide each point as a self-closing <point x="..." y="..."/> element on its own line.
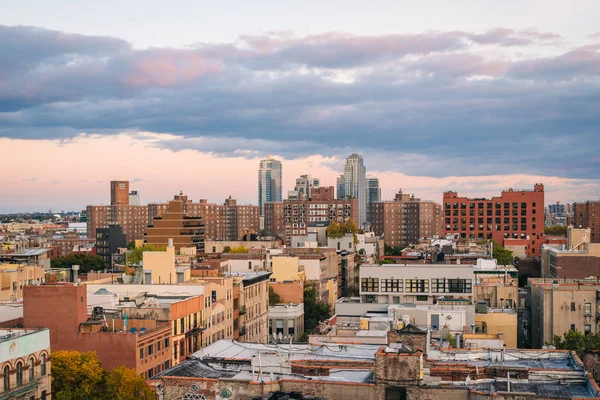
<point x="55" y="181"/>
<point x="29" y="179"/>
<point x="136" y="180"/>
<point x="441" y="103"/>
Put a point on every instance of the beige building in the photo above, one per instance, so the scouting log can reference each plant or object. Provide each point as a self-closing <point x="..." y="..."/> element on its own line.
<point x="287" y="268"/>
<point x="25" y="364"/>
<point x="219" y="298"/>
<point x="499" y="322"/>
<point x="14" y="277"/>
<point x="579" y="259"/>
<point x="254" y="307"/>
<point x="217" y="246"/>
<point x="286" y="322"/>
<point x="496" y="285"/>
<point x="558" y="306"/>
<point x="159" y="266"/>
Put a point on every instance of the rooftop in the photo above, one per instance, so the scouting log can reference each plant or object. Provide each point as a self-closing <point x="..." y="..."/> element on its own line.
<point x="11" y="334"/>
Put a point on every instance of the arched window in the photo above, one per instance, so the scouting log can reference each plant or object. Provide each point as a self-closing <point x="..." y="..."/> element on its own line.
<point x="31" y="369"/>
<point x="43" y="366"/>
<point x="19" y="373"/>
<point x="6" y="378"/>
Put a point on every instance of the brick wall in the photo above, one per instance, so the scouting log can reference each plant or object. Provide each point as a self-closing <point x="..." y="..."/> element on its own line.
<point x="413" y="340"/>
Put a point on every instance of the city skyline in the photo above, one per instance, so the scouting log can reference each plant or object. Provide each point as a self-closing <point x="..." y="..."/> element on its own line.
<point x="494" y="97"/>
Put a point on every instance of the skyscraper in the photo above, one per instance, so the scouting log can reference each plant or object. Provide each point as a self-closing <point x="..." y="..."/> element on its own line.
<point x="304" y="186"/>
<point x="373" y="194"/>
<point x="340" y="187"/>
<point x="269" y="182"/>
<point x="355" y="184"/>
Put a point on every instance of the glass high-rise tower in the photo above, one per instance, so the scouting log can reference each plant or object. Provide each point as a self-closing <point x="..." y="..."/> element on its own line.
<point x="269" y="182"/>
<point x="355" y="185"/>
<point x="373" y="195"/>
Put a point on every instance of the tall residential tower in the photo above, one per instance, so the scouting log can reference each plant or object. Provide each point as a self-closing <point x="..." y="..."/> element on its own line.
<point x="269" y="182"/>
<point x="355" y="184"/>
<point x="373" y="195"/>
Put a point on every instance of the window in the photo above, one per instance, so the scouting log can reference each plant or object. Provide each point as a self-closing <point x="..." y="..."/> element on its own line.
<point x="43" y="395"/>
<point x="150" y="349"/>
<point x="392" y="285"/>
<point x="43" y="366"/>
<point x="370" y="284"/>
<point x="572" y="306"/>
<point x="19" y="373"/>
<point x="6" y="377"/>
<point x="573" y="327"/>
<point x="166" y="343"/>
<point x="31" y="369"/>
<point x="150" y="375"/>
<point x="587" y="308"/>
<point x="587" y="329"/>
<point x="141" y="353"/>
<point x="417" y="285"/>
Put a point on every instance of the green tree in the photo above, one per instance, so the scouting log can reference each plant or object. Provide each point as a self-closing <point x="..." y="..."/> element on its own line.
<point x="126" y="384"/>
<point x="314" y="311"/>
<point x="136" y="255"/>
<point x="335" y="230"/>
<point x="238" y="249"/>
<point x="502" y="255"/>
<point x="392" y="250"/>
<point x="274" y="297"/>
<point x="558" y="230"/>
<point x="226" y="249"/>
<point x="86" y="262"/>
<point x="130" y="245"/>
<point x="76" y="376"/>
<point x="578" y="342"/>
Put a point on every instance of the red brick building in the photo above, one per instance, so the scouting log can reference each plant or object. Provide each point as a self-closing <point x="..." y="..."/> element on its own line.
<point x="227" y="221"/>
<point x="587" y="215"/>
<point x="516" y="214"/>
<point x="299" y="215"/>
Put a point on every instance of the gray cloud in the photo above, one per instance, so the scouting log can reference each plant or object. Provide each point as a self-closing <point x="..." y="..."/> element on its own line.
<point x="33" y="179"/>
<point x="438" y="102"/>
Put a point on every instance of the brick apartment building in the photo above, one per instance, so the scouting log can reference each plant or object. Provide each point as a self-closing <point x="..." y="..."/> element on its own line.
<point x="227" y="221"/>
<point x="516" y="214"/>
<point x="405" y="219"/>
<point x="587" y="215"/>
<point x="299" y="215"/>
<point x="132" y="218"/>
<point x="186" y="231"/>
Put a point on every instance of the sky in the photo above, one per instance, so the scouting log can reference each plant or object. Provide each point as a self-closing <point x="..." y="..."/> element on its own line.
<point x="472" y="96"/>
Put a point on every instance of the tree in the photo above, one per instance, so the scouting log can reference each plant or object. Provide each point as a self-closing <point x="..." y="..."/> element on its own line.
<point x="76" y="376"/>
<point x="350" y="227"/>
<point x="226" y="249"/>
<point x="274" y="297"/>
<point x="502" y="255"/>
<point x="392" y="250"/>
<point x="559" y="230"/>
<point x="136" y="255"/>
<point x="79" y="376"/>
<point x="314" y="311"/>
<point x="335" y="230"/>
<point x="131" y="246"/>
<point x="125" y="384"/>
<point x="86" y="262"/>
<point x="578" y="342"/>
<point x="238" y="249"/>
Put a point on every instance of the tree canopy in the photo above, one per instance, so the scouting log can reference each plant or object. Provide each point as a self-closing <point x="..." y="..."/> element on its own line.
<point x="314" y="311"/>
<point x="392" y="250"/>
<point x="577" y="341"/>
<point x="337" y="230"/>
<point x="79" y="376"/>
<point x="502" y="255"/>
<point x="86" y="262"/>
<point x="238" y="249"/>
<point x="136" y="255"/>
<point x="274" y="297"/>
<point x="559" y="230"/>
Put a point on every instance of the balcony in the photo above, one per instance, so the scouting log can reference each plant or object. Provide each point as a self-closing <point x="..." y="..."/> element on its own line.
<point x="243" y="330"/>
<point x="242" y="310"/>
<point x="21" y="391"/>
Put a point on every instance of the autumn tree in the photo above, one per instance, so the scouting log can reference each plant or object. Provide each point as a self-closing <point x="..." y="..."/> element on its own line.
<point x="76" y="376"/>
<point x="335" y="230"/>
<point x="126" y="384"/>
<point x="238" y="249"/>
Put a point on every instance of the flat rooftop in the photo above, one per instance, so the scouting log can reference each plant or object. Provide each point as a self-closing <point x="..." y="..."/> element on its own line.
<point x="12" y="334"/>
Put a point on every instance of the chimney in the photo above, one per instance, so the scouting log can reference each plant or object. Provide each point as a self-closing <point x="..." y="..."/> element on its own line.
<point x="170" y="242"/>
<point x="75" y="269"/>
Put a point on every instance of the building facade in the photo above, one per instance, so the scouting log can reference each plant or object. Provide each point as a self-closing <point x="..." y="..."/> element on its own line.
<point x="108" y="242"/>
<point x="286" y="322"/>
<point x="269" y="182"/>
<point x="587" y="215"/>
<point x="119" y="193"/>
<point x="174" y="224"/>
<point x="355" y="185"/>
<point x="254" y="307"/>
<point x="304" y="187"/>
<point x="227" y="221"/>
<point x="406" y="219"/>
<point x="133" y="220"/>
<point x="373" y="194"/>
<point x="25" y="364"/>
<point x="516" y="214"/>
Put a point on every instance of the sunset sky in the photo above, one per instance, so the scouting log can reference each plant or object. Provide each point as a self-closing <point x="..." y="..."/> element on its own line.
<point x="472" y="96"/>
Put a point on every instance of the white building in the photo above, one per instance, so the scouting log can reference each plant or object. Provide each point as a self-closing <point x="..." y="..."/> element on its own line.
<point x="286" y="321"/>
